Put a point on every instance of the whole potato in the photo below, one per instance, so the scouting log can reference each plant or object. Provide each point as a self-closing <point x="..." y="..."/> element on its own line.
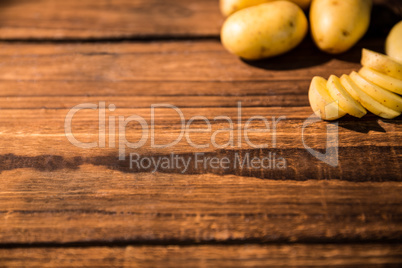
<point x="336" y="25"/>
<point x="265" y="30"/>
<point x="393" y="44"/>
<point x="229" y="7"/>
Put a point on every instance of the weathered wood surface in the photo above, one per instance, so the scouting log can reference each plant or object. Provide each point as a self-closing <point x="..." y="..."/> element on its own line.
<point x="163" y="62"/>
<point x="95" y="204"/>
<point x="61" y="205"/>
<point x="36" y="100"/>
<point x="127" y="19"/>
<point x="36" y="137"/>
<point x="56" y="193"/>
<point x="298" y="255"/>
<point x="75" y="19"/>
<point x="185" y="74"/>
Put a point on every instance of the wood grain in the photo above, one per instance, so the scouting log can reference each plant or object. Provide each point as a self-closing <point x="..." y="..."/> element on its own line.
<point x="139" y="19"/>
<point x="95" y="204"/>
<point x="298" y="255"/>
<point x="74" y="19"/>
<point x="89" y="195"/>
<point x="202" y="61"/>
<point x="63" y="206"/>
<point x="35" y="102"/>
<point x="185" y="74"/>
<point x="44" y="128"/>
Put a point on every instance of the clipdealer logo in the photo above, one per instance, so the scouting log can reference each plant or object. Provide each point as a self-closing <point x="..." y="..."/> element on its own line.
<point x="237" y="136"/>
<point x="331" y="155"/>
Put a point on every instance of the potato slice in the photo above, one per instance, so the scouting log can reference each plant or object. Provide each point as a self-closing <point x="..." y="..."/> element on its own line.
<point x="382" y="80"/>
<point x="345" y="100"/>
<point x="321" y="102"/>
<point x="368" y="102"/>
<point x="385" y="97"/>
<point x="381" y="63"/>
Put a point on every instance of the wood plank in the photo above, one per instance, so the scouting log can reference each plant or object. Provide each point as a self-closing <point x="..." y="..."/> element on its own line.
<point x="74" y="19"/>
<point x="46" y="130"/>
<point x="139" y="74"/>
<point x="95" y="204"/>
<point x="95" y="88"/>
<point x="127" y="102"/>
<point x="53" y="192"/>
<point x="167" y="62"/>
<point x="30" y="96"/>
<point x="128" y="19"/>
<point x="252" y="255"/>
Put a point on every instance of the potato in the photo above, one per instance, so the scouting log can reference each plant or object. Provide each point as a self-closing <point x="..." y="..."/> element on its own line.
<point x="321" y="102"/>
<point x="393" y="44"/>
<point x="336" y="25"/>
<point x="381" y="63"/>
<point x="265" y="30"/>
<point x="229" y="7"/>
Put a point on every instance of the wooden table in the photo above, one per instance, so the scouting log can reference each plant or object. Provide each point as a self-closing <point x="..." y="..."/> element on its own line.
<point x="62" y="205"/>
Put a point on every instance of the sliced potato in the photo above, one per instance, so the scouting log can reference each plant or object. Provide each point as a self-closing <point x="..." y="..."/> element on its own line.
<point x="382" y="80"/>
<point x="345" y="100"/>
<point x="381" y="63"/>
<point x="321" y="102"/>
<point x="366" y="100"/>
<point x="385" y="97"/>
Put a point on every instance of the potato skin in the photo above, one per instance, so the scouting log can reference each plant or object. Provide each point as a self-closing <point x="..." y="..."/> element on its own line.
<point x="336" y="25"/>
<point x="265" y="30"/>
<point x="393" y="44"/>
<point x="229" y="7"/>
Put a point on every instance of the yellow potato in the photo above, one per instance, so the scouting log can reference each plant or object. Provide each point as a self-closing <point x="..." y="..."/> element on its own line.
<point x="345" y="101"/>
<point x="229" y="7"/>
<point x="393" y="44"/>
<point x="382" y="80"/>
<point x="381" y="63"/>
<point x="265" y="30"/>
<point x="383" y="96"/>
<point x="336" y="25"/>
<point x="321" y="102"/>
<point x="366" y="100"/>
